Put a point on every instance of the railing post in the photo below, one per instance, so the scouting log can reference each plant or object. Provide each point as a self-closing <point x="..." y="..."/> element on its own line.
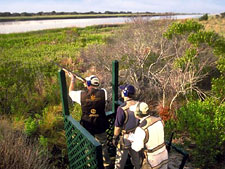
<point x="184" y="160"/>
<point x="115" y="70"/>
<point x="63" y="89"/>
<point x="170" y="142"/>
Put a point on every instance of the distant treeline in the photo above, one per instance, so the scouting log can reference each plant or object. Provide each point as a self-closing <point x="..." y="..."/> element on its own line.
<point x="72" y="13"/>
<point x="222" y="14"/>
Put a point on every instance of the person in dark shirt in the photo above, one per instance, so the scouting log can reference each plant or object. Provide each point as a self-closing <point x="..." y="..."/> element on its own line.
<point x="125" y="123"/>
<point x="93" y="117"/>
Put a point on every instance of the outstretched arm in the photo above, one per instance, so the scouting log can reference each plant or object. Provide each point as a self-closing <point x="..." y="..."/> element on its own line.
<point x="71" y="87"/>
<point x="72" y="80"/>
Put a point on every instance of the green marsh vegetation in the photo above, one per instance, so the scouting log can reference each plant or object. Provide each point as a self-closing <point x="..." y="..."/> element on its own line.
<point x="17" y="151"/>
<point x="176" y="66"/>
<point x="29" y="89"/>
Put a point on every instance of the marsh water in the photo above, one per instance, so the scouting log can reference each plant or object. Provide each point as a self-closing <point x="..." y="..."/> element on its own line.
<point x="34" y="25"/>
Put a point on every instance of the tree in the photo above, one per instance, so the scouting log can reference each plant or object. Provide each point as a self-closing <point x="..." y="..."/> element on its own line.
<point x="194" y="56"/>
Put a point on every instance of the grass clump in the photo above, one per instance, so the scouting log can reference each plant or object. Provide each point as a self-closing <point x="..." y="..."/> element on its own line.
<point x="19" y="152"/>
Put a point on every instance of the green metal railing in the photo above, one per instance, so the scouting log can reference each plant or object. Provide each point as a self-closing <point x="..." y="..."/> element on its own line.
<point x="115" y="72"/>
<point x="84" y="152"/>
<point x="111" y="114"/>
<point x="179" y="150"/>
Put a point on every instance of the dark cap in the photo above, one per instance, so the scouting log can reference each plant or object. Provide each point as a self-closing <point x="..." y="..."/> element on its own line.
<point x="130" y="88"/>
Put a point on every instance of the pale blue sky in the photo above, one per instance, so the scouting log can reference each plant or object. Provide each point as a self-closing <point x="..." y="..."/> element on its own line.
<point x="203" y="6"/>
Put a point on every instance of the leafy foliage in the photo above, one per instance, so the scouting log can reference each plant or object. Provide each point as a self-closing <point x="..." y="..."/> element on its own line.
<point x="178" y="28"/>
<point x="187" y="58"/>
<point x="28" y="77"/>
<point x="31" y="126"/>
<point x="218" y="88"/>
<point x="204" y="123"/>
<point x="194" y="57"/>
<point x="29" y="90"/>
<point x="204" y="17"/>
<point x="18" y="151"/>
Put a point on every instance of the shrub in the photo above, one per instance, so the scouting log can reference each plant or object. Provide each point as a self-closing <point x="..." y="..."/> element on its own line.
<point x="218" y="84"/>
<point x="31" y="126"/>
<point x="204" y="17"/>
<point x="25" y="87"/>
<point x="204" y="123"/>
<point x="222" y="15"/>
<point x="167" y="62"/>
<point x="43" y="142"/>
<point x="17" y="151"/>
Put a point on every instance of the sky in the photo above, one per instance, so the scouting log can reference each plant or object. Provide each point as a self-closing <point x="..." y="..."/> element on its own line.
<point x="186" y="6"/>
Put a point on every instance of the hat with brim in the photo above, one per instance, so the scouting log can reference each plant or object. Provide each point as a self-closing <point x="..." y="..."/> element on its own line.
<point x="92" y="80"/>
<point x="129" y="88"/>
<point x="141" y="109"/>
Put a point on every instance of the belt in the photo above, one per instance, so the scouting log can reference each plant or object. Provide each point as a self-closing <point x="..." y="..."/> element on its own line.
<point x="155" y="149"/>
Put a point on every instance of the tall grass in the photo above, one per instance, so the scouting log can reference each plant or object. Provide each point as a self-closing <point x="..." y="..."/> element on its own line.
<point x="30" y="95"/>
<point x="28" y="77"/>
<point x="215" y="24"/>
<point x="19" y="152"/>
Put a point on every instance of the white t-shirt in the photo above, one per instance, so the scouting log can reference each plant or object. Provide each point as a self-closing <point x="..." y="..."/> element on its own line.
<point x="76" y="95"/>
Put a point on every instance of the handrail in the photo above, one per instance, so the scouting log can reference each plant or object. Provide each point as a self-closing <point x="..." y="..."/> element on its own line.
<point x="83" y="150"/>
<point x="179" y="150"/>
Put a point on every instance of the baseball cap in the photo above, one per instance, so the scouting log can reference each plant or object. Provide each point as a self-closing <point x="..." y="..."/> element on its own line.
<point x="128" y="87"/>
<point x="141" y="109"/>
<point x="93" y="80"/>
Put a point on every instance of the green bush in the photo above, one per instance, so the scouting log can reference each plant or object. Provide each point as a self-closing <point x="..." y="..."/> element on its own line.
<point x="204" y="17"/>
<point x="31" y="126"/>
<point x="43" y="141"/>
<point x="222" y="15"/>
<point x="204" y="123"/>
<point x="26" y="87"/>
<point x="201" y="123"/>
<point x="177" y="28"/>
<point x="28" y="78"/>
<point x="18" y="151"/>
<point x="218" y="84"/>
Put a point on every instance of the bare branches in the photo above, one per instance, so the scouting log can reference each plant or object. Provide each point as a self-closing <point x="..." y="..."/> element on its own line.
<point x="161" y="69"/>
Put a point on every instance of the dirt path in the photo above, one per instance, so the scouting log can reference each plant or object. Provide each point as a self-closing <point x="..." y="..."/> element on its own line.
<point x="175" y="160"/>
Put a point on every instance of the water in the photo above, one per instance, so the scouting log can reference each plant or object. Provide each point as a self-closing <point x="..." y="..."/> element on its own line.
<point x="26" y="26"/>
